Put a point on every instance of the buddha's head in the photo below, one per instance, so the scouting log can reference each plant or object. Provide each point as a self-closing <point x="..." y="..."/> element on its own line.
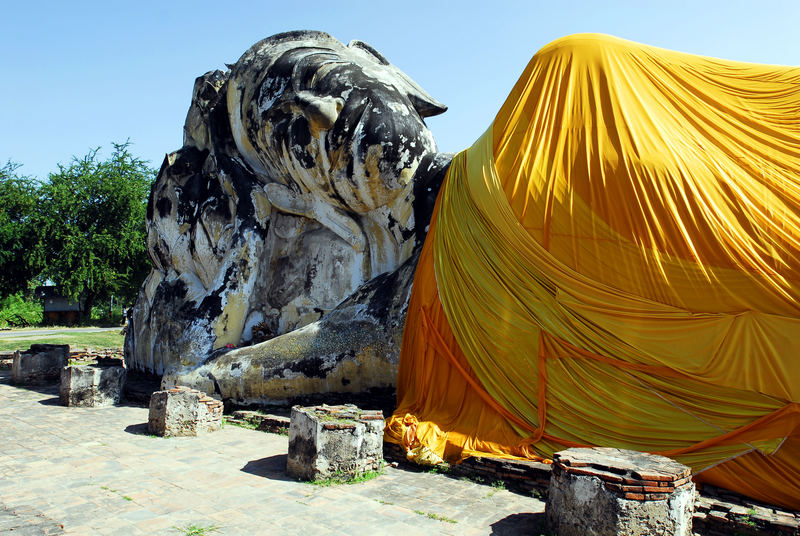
<point x="315" y="114"/>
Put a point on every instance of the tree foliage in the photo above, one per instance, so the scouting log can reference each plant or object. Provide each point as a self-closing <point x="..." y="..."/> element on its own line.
<point x="20" y="257"/>
<point x="15" y="310"/>
<point x="92" y="225"/>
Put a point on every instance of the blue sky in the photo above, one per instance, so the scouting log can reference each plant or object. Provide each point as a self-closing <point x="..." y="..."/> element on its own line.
<point x="79" y="75"/>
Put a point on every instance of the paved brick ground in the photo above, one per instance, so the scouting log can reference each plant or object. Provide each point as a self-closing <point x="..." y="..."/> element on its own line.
<point x="95" y="471"/>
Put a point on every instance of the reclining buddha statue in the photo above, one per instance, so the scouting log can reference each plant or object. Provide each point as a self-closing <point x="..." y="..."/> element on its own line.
<point x="614" y="262"/>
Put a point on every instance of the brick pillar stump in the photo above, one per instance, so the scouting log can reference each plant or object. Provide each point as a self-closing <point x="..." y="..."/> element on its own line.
<point x="606" y="491"/>
<point x="334" y="442"/>
<point x="40" y="364"/>
<point x="91" y="385"/>
<point x="182" y="411"/>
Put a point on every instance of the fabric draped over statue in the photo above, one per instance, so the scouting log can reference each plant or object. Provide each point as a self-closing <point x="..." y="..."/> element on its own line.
<point x="616" y="262"/>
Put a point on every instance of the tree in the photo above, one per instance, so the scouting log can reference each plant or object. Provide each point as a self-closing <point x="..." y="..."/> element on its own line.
<point x="20" y="257"/>
<point x="92" y="221"/>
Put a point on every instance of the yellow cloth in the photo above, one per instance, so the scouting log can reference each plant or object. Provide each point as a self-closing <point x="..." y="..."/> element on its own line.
<point x="615" y="262"/>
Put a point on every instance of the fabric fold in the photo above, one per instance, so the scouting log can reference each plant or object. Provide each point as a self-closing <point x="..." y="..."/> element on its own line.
<point x="615" y="262"/>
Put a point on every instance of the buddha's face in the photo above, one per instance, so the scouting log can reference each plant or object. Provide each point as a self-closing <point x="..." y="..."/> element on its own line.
<point x="336" y="120"/>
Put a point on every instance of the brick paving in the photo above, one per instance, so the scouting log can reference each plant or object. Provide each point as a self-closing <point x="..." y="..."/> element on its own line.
<point x="96" y="471"/>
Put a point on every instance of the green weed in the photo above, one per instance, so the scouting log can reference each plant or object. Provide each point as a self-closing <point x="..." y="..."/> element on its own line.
<point x="196" y="530"/>
<point x="497" y="485"/>
<point x="442" y="468"/>
<point x="254" y="426"/>
<point x="244" y="424"/>
<point x="341" y="478"/>
<point x="747" y="520"/>
<point x="324" y="416"/>
<point x="437" y="517"/>
<point x="106" y="488"/>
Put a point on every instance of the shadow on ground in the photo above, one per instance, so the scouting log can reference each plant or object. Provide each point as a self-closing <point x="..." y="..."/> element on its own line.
<point x="522" y="523"/>
<point x="272" y="467"/>
<point x="137" y="429"/>
<point x="44" y="389"/>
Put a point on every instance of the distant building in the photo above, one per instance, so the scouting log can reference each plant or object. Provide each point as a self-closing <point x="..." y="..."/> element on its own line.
<point x="56" y="308"/>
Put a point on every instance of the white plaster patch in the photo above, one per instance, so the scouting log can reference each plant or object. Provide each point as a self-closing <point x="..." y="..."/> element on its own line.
<point x="399" y="109"/>
<point x="290" y="374"/>
<point x="584" y="489"/>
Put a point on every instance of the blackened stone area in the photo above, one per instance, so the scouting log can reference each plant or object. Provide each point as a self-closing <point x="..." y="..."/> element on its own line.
<point x="40" y="364"/>
<point x="607" y="491"/>
<point x="92" y="385"/>
<point x="334" y="442"/>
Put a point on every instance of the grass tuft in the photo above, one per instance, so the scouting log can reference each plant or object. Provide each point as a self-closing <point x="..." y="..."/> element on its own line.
<point x="442" y="468"/>
<point x="341" y="478"/>
<point x="244" y="424"/>
<point x="106" y="488"/>
<point x="197" y="530"/>
<point x="437" y="517"/>
<point x="497" y="485"/>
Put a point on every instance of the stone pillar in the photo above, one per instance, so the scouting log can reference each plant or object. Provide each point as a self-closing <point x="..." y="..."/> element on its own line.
<point x="334" y="442"/>
<point x="40" y="364"/>
<point x="606" y="491"/>
<point x="91" y="385"/>
<point x="181" y="411"/>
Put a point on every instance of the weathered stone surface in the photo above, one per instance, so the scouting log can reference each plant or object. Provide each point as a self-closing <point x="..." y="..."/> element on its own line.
<point x="305" y="183"/>
<point x="334" y="441"/>
<point x="353" y="348"/>
<point x="183" y="412"/>
<point x="92" y="385"/>
<point x="605" y="491"/>
<point x="40" y="364"/>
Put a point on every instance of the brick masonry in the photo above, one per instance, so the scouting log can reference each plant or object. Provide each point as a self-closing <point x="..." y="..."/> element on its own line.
<point x="265" y="422"/>
<point x="181" y="411"/>
<point x="717" y="512"/>
<point x="339" y="442"/>
<point x="631" y="475"/>
<point x="616" y="492"/>
<point x="721" y="512"/>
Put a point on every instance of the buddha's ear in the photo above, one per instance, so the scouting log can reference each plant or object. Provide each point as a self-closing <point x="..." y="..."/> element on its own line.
<point x="366" y="47"/>
<point x="424" y="104"/>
